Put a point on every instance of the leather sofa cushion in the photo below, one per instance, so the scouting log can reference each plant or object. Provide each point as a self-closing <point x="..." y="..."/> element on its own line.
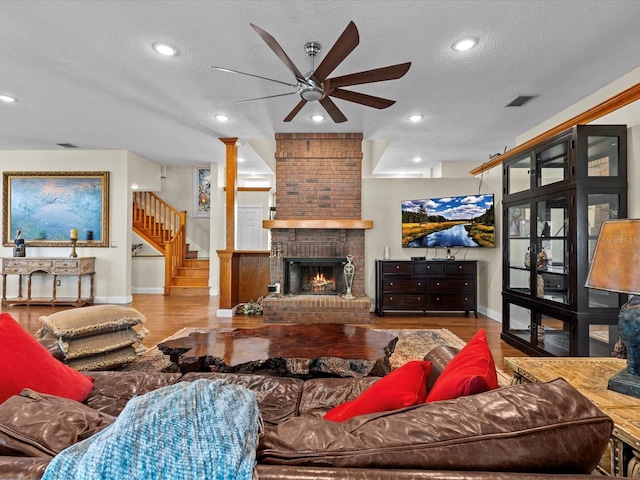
<point x="439" y="357"/>
<point x="539" y="427"/>
<point x="34" y="424"/>
<point x="319" y="395"/>
<point x="112" y="390"/>
<point x="277" y="397"/>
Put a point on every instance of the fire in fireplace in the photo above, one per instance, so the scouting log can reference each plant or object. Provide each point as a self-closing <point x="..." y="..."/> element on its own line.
<point x="314" y="276"/>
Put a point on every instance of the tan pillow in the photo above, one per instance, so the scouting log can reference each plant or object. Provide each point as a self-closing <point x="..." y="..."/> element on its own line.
<point x="104" y="342"/>
<point x="104" y="361"/>
<point x="86" y="321"/>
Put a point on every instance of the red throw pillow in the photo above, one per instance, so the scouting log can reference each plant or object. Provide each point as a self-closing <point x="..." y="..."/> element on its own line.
<point x="403" y="387"/>
<point x="27" y="364"/>
<point x="471" y="371"/>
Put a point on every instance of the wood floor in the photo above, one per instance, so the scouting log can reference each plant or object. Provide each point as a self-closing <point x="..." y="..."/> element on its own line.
<point x="168" y="314"/>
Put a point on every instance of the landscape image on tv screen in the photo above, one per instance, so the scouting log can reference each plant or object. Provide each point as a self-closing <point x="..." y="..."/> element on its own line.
<point x="460" y="221"/>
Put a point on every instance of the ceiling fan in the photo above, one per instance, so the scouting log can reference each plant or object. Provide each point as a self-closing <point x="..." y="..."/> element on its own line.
<point x="316" y="87"/>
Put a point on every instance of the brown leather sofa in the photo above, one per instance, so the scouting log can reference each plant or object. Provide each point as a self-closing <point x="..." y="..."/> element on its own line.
<point x="527" y="432"/>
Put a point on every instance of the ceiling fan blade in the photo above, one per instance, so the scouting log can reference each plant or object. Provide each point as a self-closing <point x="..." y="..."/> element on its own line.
<point x="370" y="76"/>
<point x="262" y="98"/>
<point x="228" y="70"/>
<point x="361" y="98"/>
<point x="277" y="49"/>
<point x="333" y="110"/>
<point x="295" y="111"/>
<point x="340" y="50"/>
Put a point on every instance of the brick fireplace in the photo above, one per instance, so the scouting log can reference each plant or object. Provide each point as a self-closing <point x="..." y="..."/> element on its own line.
<point x="318" y="210"/>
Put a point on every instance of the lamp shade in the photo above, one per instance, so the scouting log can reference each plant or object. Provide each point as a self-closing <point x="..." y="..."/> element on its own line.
<point x="616" y="260"/>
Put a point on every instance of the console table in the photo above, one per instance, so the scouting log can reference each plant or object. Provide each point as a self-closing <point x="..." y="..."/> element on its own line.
<point x="424" y="285"/>
<point x="24" y="266"/>
<point x="590" y="377"/>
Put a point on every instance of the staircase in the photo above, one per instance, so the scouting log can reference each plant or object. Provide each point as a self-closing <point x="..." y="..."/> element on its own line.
<point x="163" y="228"/>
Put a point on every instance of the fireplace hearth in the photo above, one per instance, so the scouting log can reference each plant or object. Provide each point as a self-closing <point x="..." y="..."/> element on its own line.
<point x="314" y="276"/>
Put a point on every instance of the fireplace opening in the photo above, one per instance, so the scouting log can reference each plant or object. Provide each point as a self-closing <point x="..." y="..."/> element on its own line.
<point x="314" y="276"/>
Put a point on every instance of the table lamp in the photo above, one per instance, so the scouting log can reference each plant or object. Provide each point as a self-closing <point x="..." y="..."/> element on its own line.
<point x="616" y="268"/>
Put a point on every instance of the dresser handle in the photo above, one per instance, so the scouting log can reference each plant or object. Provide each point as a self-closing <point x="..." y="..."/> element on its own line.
<point x="438" y="283"/>
<point x="466" y="284"/>
<point x="391" y="284"/>
<point x="397" y="267"/>
<point x="438" y="299"/>
<point x="391" y="299"/>
<point x="460" y="267"/>
<point x="419" y="284"/>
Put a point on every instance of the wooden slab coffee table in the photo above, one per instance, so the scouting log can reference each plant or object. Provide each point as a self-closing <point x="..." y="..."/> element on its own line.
<point x="327" y="349"/>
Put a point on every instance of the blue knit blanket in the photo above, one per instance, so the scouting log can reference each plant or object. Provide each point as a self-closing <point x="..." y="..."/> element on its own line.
<point x="207" y="429"/>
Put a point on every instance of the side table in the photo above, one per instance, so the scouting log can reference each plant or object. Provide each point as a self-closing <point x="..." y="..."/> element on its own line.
<point x="589" y="376"/>
<point x="53" y="266"/>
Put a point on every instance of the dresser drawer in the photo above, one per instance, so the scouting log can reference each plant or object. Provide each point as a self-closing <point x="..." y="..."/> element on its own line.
<point x="448" y="301"/>
<point x="460" y="268"/>
<point x="396" y="268"/>
<point x="404" y="301"/>
<point x="403" y="284"/>
<point x="428" y="268"/>
<point x="451" y="285"/>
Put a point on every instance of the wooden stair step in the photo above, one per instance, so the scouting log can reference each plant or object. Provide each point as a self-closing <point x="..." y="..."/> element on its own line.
<point x="188" y="291"/>
<point x="193" y="272"/>
<point x="197" y="263"/>
<point x="191" y="254"/>
<point x="190" y="281"/>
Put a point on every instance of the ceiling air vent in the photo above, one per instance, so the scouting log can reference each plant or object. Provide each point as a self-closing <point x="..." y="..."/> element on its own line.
<point x="520" y="100"/>
<point x="67" y="145"/>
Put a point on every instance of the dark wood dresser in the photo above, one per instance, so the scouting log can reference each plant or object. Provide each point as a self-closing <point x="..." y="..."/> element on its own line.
<point x="423" y="285"/>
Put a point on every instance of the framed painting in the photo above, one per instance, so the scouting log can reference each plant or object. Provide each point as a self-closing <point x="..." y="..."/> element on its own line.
<point x="201" y="191"/>
<point x="47" y="206"/>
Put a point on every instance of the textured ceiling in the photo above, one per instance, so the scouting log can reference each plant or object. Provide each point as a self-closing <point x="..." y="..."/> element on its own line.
<point x="84" y="73"/>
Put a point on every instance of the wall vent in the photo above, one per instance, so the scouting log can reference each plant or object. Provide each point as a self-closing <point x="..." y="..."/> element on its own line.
<point x="520" y="100"/>
<point x="67" y="145"/>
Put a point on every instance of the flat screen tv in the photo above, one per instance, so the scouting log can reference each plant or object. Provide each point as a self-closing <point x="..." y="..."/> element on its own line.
<point x="460" y="221"/>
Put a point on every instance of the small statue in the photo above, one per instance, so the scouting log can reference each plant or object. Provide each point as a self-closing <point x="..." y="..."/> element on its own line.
<point x="19" y="250"/>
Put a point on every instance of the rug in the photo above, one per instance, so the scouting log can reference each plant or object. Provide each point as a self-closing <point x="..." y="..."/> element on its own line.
<point x="412" y="345"/>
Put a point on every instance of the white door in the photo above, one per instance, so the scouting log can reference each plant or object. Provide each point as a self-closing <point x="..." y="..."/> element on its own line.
<point x="249" y="227"/>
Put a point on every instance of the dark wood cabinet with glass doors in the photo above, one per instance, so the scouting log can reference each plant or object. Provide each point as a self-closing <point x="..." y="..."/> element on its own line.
<point x="555" y="197"/>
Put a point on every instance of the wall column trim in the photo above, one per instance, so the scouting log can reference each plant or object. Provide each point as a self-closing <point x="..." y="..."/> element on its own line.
<point x="228" y="282"/>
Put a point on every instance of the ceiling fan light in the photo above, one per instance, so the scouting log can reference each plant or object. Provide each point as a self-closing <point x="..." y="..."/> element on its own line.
<point x="317" y="117"/>
<point x="165" y="49"/>
<point x="311" y="94"/>
<point x="465" y="44"/>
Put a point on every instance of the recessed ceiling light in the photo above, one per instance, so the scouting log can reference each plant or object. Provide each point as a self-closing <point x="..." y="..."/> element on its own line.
<point x="240" y="159"/>
<point x="317" y="117"/>
<point x="223" y="118"/>
<point x="165" y="49"/>
<point x="7" y="98"/>
<point x="417" y="159"/>
<point x="465" y="44"/>
<point x="134" y="186"/>
<point x="416" y="118"/>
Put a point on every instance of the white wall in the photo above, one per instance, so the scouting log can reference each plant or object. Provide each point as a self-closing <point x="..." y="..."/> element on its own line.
<point x="381" y="202"/>
<point x="112" y="279"/>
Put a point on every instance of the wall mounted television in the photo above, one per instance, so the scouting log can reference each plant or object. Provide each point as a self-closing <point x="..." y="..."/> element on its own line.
<point x="459" y="221"/>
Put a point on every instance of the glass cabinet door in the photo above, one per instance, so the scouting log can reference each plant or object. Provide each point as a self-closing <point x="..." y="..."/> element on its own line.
<point x="519" y="243"/>
<point x="518" y="175"/>
<point x="552" y="164"/>
<point x="603" y="155"/>
<point x="601" y="207"/>
<point x="552" y="265"/>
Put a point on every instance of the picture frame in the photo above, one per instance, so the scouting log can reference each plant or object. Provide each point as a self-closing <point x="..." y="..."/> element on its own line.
<point x="46" y="206"/>
<point x="201" y="191"/>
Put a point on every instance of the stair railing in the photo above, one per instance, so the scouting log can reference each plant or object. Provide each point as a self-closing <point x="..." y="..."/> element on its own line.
<point x="166" y="223"/>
